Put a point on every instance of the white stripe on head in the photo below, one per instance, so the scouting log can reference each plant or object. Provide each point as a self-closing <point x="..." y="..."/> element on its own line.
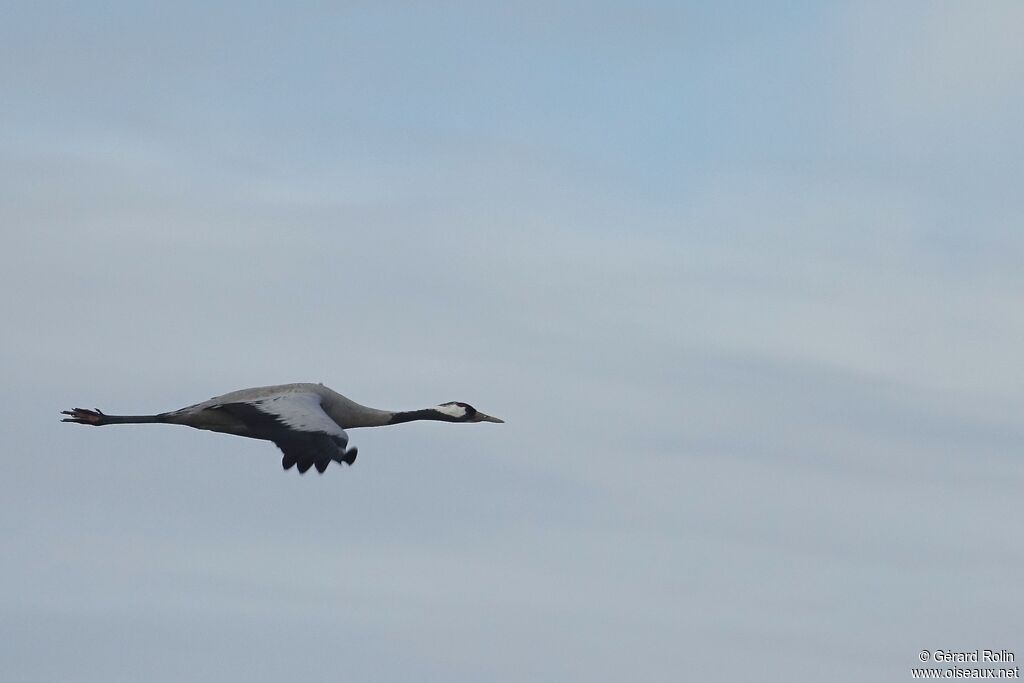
<point x="452" y="409"/>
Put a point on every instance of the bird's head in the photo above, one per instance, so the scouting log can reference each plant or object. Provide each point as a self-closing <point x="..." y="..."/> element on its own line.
<point x="457" y="411"/>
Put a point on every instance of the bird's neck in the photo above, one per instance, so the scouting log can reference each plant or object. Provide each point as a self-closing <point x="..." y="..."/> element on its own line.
<point x="351" y="415"/>
<point x="425" y="414"/>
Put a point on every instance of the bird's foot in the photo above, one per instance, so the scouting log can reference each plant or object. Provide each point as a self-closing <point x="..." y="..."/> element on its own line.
<point x="84" y="416"/>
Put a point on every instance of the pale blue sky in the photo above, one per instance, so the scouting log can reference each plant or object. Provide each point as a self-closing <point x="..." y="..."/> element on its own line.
<point x="744" y="281"/>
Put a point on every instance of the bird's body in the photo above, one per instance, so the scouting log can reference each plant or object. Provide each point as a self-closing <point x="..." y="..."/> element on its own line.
<point x="306" y="421"/>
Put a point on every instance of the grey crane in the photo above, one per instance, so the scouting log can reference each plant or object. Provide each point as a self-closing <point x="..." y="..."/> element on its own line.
<point x="306" y="421"/>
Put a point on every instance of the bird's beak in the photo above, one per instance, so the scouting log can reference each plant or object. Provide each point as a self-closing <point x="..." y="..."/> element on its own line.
<point x="480" y="417"/>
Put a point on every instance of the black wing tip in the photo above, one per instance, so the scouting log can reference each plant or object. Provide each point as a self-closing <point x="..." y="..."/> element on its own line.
<point x="349" y="456"/>
<point x="303" y="465"/>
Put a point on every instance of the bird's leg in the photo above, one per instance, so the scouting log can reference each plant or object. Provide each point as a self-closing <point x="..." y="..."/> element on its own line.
<point x="84" y="416"/>
<point x="98" y="418"/>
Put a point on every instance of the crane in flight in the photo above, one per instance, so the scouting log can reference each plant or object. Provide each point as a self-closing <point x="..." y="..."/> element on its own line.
<point x="306" y="421"/>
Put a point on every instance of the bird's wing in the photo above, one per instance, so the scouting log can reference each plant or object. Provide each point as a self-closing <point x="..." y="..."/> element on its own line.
<point x="297" y="423"/>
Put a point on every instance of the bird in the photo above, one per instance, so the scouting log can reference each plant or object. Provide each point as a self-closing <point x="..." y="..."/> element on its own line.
<point x="306" y="421"/>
